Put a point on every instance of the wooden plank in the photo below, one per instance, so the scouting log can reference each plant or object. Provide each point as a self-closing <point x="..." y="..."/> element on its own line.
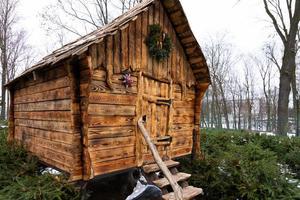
<point x="64" y="116"/>
<point x="56" y="94"/>
<point x="42" y="76"/>
<point x="45" y="125"/>
<point x="58" y="105"/>
<point x="110" y="132"/>
<point x="154" y="167"/>
<point x="65" y="149"/>
<point x="110" y="143"/>
<point x="112" y="154"/>
<point x="52" y="155"/>
<point x="117" y="53"/>
<point x="113" y="166"/>
<point x="182" y="151"/>
<point x="115" y="99"/>
<point x="64" y="138"/>
<point x="101" y="55"/>
<point x="45" y="86"/>
<point x="183" y="119"/>
<point x="109" y="51"/>
<point x="108" y="110"/>
<point x="188" y="193"/>
<point x="101" y="86"/>
<point x="98" y="121"/>
<point x="131" y="45"/>
<point x="124" y="49"/>
<point x="186" y="133"/>
<point x="184" y="104"/>
<point x="138" y="43"/>
<point x="145" y="55"/>
<point x="150" y="22"/>
<point x="178" y="142"/>
<point x="184" y="112"/>
<point x="163" y="182"/>
<point x="182" y="127"/>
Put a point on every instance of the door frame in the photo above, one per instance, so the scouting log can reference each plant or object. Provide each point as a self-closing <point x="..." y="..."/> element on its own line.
<point x="139" y="112"/>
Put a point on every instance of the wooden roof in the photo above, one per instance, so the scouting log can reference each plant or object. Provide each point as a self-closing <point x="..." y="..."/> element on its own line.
<point x="177" y="17"/>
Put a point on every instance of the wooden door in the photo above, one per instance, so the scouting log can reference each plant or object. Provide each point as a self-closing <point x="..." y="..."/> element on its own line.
<point x="156" y="108"/>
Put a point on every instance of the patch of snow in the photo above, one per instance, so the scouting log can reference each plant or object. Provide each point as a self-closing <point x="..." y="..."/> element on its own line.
<point x="52" y="171"/>
<point x="267" y="133"/>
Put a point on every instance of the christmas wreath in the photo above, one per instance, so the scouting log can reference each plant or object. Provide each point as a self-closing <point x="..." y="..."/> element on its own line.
<point x="159" y="43"/>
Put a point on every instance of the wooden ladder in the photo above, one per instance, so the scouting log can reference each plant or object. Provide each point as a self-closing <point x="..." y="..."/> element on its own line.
<point x="165" y="174"/>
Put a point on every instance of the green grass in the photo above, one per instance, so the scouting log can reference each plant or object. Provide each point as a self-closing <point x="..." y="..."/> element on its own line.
<point x="20" y="177"/>
<point x="239" y="165"/>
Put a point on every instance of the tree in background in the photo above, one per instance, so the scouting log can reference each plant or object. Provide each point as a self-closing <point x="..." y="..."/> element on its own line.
<point x="220" y="59"/>
<point x="285" y="16"/>
<point x="79" y="17"/>
<point x="13" y="48"/>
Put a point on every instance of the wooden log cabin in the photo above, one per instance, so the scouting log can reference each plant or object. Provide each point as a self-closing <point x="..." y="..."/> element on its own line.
<point x="77" y="109"/>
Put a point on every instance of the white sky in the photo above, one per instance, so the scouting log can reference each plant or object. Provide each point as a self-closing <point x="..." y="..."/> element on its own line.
<point x="246" y="23"/>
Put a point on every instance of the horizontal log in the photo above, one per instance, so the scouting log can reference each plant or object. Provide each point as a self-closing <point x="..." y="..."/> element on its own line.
<point x="185" y="133"/>
<point x="113" y="99"/>
<point x="110" y="143"/>
<point x="65" y="149"/>
<point x="100" y="168"/>
<point x="97" y="121"/>
<point x="120" y="110"/>
<point x="183" y="119"/>
<point x="184" y="104"/>
<point x="112" y="154"/>
<point x="100" y="75"/>
<point x="59" y="105"/>
<point x="42" y="76"/>
<point x="182" y="127"/>
<point x="56" y="94"/>
<point x="183" y="151"/>
<point x="64" y="138"/>
<point x="45" y="125"/>
<point x="44" y="86"/>
<point x="182" y="141"/>
<point x="64" y="116"/>
<point x="101" y="86"/>
<point x="110" y="132"/>
<point x="52" y="155"/>
<point x="183" y="112"/>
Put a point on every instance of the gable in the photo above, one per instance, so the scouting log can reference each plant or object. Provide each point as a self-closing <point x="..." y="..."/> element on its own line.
<point x="177" y="18"/>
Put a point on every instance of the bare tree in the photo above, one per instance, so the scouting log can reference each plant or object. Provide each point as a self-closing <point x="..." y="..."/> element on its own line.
<point x="220" y="58"/>
<point x="67" y="19"/>
<point x="264" y="66"/>
<point x="12" y="46"/>
<point x="249" y="93"/>
<point x="285" y="16"/>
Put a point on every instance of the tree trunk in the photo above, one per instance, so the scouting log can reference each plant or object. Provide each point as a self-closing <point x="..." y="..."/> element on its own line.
<point x="234" y="111"/>
<point x="286" y="74"/>
<point x="3" y="82"/>
<point x="225" y="110"/>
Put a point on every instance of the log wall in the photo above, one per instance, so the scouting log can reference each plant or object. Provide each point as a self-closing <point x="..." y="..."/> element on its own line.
<point x="112" y="110"/>
<point x="43" y="118"/>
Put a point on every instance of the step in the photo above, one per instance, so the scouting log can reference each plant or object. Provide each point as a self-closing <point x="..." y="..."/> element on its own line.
<point x="163" y="182"/>
<point x="188" y="193"/>
<point x="155" y="168"/>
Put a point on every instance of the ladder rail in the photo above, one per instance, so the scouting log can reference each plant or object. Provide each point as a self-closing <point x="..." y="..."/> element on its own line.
<point x="176" y="188"/>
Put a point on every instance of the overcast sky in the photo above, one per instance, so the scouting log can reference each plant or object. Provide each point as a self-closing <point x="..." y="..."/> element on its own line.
<point x="246" y="22"/>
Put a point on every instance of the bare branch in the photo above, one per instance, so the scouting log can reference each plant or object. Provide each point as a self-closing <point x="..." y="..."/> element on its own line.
<point x="275" y="23"/>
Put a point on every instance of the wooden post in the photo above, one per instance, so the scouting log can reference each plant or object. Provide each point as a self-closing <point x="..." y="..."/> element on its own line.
<point x="200" y="91"/>
<point x="11" y="120"/>
<point x="176" y="188"/>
